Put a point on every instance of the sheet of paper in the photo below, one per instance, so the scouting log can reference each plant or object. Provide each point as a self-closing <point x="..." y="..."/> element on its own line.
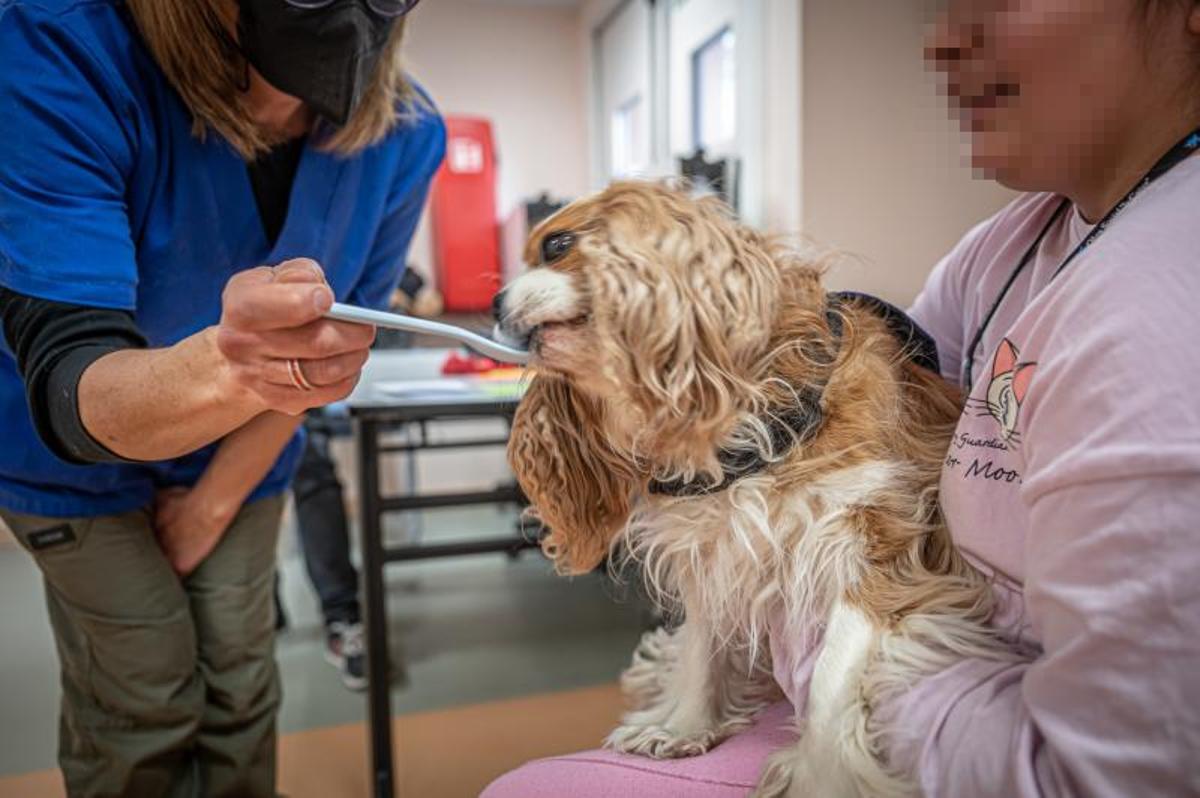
<point x="407" y="389"/>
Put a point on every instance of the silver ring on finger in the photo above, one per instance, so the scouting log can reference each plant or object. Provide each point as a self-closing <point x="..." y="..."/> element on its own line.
<point x="296" y="372"/>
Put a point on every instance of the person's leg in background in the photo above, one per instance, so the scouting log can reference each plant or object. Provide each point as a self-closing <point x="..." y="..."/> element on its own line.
<point x="281" y="618"/>
<point x="232" y="603"/>
<point x="132" y="697"/>
<point x="730" y="770"/>
<point x="325" y="541"/>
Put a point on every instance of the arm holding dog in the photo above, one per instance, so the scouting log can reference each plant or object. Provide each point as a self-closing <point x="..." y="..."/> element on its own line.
<point x="1112" y="492"/>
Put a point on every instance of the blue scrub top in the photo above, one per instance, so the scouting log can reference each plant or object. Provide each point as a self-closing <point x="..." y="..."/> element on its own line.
<point x="108" y="200"/>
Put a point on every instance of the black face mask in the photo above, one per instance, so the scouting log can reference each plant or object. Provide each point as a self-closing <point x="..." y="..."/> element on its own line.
<point x="323" y="53"/>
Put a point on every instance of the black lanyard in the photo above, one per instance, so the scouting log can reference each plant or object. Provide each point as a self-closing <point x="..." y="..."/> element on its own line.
<point x="1186" y="146"/>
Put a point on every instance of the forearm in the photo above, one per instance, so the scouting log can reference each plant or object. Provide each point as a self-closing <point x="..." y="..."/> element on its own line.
<point x="190" y="522"/>
<point x="243" y="459"/>
<point x="97" y="394"/>
<point x="967" y="728"/>
<point x="159" y="404"/>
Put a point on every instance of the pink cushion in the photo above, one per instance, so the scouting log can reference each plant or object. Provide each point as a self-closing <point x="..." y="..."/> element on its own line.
<point x="730" y="769"/>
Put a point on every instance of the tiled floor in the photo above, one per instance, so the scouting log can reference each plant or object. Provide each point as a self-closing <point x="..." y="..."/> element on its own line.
<point x="463" y="631"/>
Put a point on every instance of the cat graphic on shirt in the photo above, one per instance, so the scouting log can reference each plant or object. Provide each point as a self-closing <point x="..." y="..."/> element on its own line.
<point x="1006" y="391"/>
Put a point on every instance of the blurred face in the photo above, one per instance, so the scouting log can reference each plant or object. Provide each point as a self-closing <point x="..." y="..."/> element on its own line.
<point x="1055" y="92"/>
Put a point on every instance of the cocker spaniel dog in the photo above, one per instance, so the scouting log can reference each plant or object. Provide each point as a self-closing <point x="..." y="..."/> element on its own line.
<point x="767" y="453"/>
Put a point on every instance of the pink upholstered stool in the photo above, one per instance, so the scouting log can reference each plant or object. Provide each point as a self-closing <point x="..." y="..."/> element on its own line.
<point x="731" y="769"/>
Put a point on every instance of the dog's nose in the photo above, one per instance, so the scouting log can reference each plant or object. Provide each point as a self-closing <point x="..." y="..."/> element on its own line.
<point x="498" y="305"/>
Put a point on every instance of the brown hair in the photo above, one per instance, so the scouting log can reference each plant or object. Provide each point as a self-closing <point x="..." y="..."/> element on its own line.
<point x="190" y="40"/>
<point x="1148" y="11"/>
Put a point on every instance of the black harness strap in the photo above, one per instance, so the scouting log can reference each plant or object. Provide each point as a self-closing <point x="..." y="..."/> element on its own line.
<point x="919" y="346"/>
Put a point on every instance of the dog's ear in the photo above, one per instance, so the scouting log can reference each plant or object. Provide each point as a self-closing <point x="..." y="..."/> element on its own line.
<point x="580" y="487"/>
<point x="683" y="300"/>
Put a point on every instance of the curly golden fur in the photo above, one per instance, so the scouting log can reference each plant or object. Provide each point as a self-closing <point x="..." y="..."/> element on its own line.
<point x="191" y="42"/>
<point x="665" y="335"/>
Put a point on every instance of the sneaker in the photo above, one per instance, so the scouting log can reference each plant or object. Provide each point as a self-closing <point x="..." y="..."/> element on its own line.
<point x="345" y="649"/>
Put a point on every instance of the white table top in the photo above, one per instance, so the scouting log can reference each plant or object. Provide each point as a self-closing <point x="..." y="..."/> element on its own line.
<point x="413" y="377"/>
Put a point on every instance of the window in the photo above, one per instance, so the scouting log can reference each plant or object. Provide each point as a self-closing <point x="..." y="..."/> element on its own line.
<point x="627" y="138"/>
<point x="714" y="93"/>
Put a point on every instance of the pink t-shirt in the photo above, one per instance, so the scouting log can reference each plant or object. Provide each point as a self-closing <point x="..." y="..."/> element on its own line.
<point x="1074" y="478"/>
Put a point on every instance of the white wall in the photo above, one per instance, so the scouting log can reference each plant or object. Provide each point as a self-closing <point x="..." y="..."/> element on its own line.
<point x="768" y="119"/>
<point x="693" y="24"/>
<point x="883" y="176"/>
<point x="519" y="64"/>
<point x="593" y="13"/>
<point x="781" y="116"/>
<point x="622" y="55"/>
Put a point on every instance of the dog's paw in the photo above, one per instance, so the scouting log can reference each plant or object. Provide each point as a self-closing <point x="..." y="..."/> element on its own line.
<point x="661" y="742"/>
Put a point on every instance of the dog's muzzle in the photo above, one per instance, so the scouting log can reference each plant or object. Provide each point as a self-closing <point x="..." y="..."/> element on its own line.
<point x="505" y="331"/>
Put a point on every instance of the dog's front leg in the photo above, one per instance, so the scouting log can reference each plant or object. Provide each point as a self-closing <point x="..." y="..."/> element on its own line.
<point x="671" y="684"/>
<point x="832" y="758"/>
<point x="654" y="660"/>
<point x="687" y="695"/>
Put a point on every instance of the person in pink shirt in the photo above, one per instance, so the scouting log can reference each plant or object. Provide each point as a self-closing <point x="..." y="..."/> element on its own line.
<point x="1073" y="318"/>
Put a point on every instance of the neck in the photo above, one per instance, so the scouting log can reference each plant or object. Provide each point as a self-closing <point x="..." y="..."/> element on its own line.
<point x="280" y="115"/>
<point x="1102" y="187"/>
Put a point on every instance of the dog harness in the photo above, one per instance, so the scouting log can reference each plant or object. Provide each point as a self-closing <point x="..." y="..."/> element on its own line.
<point x="799" y="424"/>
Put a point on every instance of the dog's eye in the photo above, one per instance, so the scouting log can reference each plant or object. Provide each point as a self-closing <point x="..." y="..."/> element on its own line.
<point x="556" y="245"/>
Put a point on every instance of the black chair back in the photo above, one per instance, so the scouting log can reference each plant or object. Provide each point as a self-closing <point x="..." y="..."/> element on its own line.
<point x="718" y="177"/>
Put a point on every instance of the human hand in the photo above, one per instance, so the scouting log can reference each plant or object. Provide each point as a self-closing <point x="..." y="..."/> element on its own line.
<point x="188" y="527"/>
<point x="272" y="327"/>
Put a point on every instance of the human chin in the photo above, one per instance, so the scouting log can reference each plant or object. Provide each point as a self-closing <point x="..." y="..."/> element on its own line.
<point x="995" y="154"/>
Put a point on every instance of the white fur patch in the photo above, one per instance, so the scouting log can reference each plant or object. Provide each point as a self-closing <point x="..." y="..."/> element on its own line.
<point x="538" y="297"/>
<point x="830" y="759"/>
<point x="834" y="690"/>
<point x="739" y="554"/>
<point x="855" y="485"/>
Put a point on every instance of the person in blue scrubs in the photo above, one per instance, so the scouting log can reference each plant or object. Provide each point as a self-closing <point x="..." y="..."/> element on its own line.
<point x="185" y="188"/>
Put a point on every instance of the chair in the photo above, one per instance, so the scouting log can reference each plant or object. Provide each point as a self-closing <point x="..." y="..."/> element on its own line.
<point x="718" y="177"/>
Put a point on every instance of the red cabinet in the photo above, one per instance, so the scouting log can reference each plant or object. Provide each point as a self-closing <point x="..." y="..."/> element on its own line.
<point x="466" y="236"/>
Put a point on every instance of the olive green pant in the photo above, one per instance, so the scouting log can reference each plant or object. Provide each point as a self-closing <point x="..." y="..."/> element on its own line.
<point x="169" y="686"/>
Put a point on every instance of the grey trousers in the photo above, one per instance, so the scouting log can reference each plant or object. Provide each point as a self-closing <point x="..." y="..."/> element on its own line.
<point x="169" y="686"/>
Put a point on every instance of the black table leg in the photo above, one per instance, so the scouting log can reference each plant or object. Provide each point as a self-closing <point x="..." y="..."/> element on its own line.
<point x="379" y="707"/>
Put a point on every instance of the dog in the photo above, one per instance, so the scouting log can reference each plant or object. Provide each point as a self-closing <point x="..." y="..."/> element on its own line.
<point x="766" y="452"/>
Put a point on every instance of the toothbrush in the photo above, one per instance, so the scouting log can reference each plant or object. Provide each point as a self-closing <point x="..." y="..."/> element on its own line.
<point x="481" y="344"/>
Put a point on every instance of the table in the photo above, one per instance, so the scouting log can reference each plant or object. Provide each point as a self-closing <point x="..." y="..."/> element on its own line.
<point x="405" y="387"/>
